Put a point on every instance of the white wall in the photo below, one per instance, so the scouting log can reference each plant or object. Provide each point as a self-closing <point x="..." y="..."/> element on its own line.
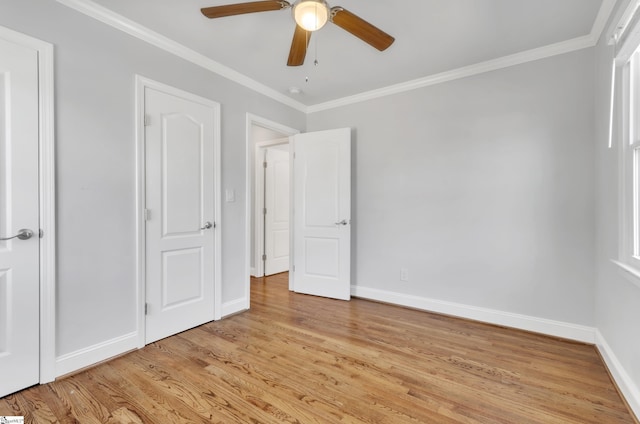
<point x="95" y="67"/>
<point x="617" y="293"/>
<point x="482" y="188"/>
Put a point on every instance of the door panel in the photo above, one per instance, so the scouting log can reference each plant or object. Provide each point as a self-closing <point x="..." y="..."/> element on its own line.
<point x="182" y="277"/>
<point x="322" y="213"/>
<point x="179" y="161"/>
<point x="19" y="263"/>
<point x="277" y="206"/>
<point x="182" y="177"/>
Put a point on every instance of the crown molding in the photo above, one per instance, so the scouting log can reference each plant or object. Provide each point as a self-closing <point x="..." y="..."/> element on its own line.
<point x="459" y="73"/>
<point x="606" y="8"/>
<point x="134" y="29"/>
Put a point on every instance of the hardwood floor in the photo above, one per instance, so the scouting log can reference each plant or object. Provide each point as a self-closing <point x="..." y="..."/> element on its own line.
<point x="303" y="359"/>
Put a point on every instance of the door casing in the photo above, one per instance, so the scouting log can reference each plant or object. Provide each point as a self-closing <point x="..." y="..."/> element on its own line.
<point x="46" y="169"/>
<point x="249" y="201"/>
<point x="141" y="84"/>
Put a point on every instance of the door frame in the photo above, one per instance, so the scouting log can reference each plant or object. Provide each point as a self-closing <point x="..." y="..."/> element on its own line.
<point x="258" y="225"/>
<point x="141" y="84"/>
<point x="46" y="189"/>
<point x="252" y="120"/>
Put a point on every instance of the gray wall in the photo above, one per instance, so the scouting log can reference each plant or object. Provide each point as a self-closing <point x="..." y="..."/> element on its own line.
<point x="481" y="187"/>
<point x="617" y="297"/>
<point x="95" y="146"/>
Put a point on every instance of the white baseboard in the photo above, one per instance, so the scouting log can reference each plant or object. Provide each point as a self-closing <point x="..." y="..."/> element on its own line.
<point x="92" y="355"/>
<point x="233" y="307"/>
<point x="629" y="389"/>
<point x="523" y="322"/>
<point x="252" y="271"/>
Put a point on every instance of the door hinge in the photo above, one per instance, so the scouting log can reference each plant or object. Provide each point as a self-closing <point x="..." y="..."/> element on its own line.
<point x="294" y="268"/>
<point x="264" y="257"/>
<point x="146" y="309"/>
<point x="41" y="233"/>
<point x="147" y="215"/>
<point x="264" y="164"/>
<point x="147" y="120"/>
<point x="264" y="211"/>
<point x="214" y="225"/>
<point x="294" y="155"/>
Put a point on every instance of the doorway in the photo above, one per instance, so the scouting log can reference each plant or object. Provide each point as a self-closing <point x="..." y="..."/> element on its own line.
<point x="271" y="213"/>
<point x="262" y="134"/>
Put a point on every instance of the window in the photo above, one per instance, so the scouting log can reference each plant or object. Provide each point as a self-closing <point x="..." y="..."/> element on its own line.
<point x="630" y="163"/>
<point x="626" y="39"/>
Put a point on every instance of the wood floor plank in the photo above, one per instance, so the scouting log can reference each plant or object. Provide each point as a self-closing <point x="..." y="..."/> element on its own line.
<point x="303" y="359"/>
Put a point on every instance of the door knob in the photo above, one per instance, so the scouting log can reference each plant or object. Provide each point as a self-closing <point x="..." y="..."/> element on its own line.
<point x="23" y="234"/>
<point x="343" y="222"/>
<point x="206" y="226"/>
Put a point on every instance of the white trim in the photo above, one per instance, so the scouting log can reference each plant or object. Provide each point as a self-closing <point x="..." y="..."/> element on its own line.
<point x="523" y="322"/>
<point x="141" y="244"/>
<point x="612" y="102"/>
<point x="143" y="33"/>
<point x="630" y="273"/>
<point x="629" y="389"/>
<point x="141" y="83"/>
<point x="620" y="21"/>
<point x="134" y="29"/>
<point x="273" y="126"/>
<point x="47" y="215"/>
<point x="92" y="355"/>
<point x="464" y="72"/>
<point x="606" y="8"/>
<point x="234" y="307"/>
<point x="47" y="212"/>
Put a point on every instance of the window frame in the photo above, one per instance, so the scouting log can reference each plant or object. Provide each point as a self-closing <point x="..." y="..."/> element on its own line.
<point x="629" y="252"/>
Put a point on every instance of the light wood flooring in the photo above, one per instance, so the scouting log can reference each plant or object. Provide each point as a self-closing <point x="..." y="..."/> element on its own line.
<point x="302" y="359"/>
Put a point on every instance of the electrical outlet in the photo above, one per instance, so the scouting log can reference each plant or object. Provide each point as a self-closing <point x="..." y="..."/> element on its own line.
<point x="404" y="274"/>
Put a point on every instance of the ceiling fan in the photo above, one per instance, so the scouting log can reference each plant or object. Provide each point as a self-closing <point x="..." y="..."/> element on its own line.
<point x="310" y="15"/>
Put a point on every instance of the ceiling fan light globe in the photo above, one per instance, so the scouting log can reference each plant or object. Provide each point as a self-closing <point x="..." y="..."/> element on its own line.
<point x="311" y="15"/>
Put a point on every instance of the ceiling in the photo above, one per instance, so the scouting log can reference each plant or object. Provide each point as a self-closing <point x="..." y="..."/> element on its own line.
<point x="432" y="37"/>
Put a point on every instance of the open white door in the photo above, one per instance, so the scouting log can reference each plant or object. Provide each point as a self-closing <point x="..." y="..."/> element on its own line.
<point x="180" y="135"/>
<point x="322" y="213"/>
<point x="19" y="261"/>
<point x="276" y="217"/>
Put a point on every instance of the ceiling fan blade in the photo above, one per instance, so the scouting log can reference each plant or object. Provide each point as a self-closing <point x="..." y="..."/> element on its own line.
<point x="299" y="45"/>
<point x="361" y="28"/>
<point x="241" y="8"/>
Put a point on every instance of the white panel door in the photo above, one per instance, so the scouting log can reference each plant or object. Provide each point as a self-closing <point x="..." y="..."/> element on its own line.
<point x="19" y="263"/>
<point x="322" y="213"/>
<point x="277" y="210"/>
<point x="179" y="162"/>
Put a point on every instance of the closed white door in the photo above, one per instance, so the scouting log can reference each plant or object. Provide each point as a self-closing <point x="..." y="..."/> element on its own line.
<point x="322" y="213"/>
<point x="276" y="221"/>
<point x="180" y="213"/>
<point x="19" y="263"/>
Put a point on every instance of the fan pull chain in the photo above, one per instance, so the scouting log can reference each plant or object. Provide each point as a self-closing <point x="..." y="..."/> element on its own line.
<point x="315" y="48"/>
<point x="315" y="41"/>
